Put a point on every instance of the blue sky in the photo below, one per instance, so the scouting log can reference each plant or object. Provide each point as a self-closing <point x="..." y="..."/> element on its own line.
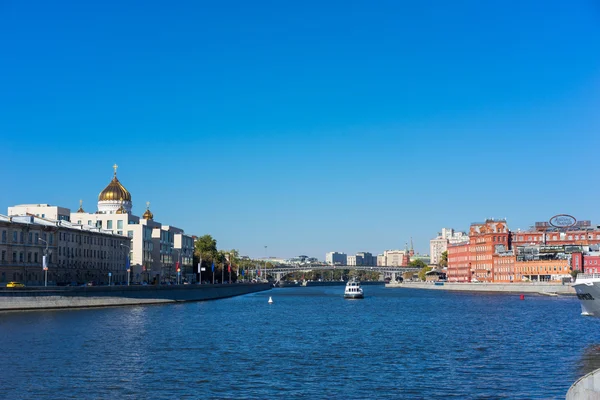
<point x="305" y="126"/>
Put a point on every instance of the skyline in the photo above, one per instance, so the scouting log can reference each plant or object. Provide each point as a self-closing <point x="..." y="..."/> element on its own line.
<point x="306" y="128"/>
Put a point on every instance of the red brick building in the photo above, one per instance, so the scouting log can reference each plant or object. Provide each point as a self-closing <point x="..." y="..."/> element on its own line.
<point x="591" y="264"/>
<point x="485" y="240"/>
<point x="459" y="267"/>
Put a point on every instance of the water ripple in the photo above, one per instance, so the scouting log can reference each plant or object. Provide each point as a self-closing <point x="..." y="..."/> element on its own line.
<point x="310" y="343"/>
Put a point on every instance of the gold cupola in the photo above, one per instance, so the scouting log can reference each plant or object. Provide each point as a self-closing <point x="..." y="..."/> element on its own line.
<point x="80" y="207"/>
<point x="148" y="214"/>
<point x="115" y="191"/>
<point x="121" y="210"/>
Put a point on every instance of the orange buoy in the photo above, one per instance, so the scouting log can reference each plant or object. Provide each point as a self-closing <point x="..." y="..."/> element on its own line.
<point x="522" y="297"/>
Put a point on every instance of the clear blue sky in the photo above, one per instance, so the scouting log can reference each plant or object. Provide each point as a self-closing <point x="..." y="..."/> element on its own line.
<point x="306" y="126"/>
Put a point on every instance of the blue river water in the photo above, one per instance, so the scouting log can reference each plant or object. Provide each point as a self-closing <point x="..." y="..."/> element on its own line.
<point x="310" y="343"/>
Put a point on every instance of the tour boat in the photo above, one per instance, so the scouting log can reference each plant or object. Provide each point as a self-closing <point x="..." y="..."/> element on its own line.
<point x="353" y="290"/>
<point x="587" y="287"/>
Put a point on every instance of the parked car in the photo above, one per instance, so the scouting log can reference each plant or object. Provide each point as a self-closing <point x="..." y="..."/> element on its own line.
<point x="14" y="284"/>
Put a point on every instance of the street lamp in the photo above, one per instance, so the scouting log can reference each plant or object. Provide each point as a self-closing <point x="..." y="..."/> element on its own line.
<point x="45" y="262"/>
<point x="127" y="265"/>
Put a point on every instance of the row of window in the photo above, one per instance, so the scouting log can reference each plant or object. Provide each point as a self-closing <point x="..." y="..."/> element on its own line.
<point x="20" y="257"/>
<point x="19" y="237"/>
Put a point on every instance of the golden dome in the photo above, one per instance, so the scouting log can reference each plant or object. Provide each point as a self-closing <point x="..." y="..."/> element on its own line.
<point x="80" y="207"/>
<point x="121" y="210"/>
<point x="148" y="214"/>
<point x="114" y="191"/>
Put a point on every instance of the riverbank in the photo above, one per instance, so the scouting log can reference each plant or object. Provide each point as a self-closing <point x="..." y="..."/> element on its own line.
<point x="541" y="288"/>
<point x="24" y="299"/>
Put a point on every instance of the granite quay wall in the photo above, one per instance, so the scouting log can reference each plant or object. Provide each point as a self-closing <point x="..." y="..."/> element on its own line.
<point x="586" y="387"/>
<point x="543" y="288"/>
<point x="19" y="299"/>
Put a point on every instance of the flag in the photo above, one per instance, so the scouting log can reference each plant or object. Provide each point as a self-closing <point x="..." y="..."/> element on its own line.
<point x="128" y="265"/>
<point x="243" y="273"/>
<point x="229" y="268"/>
<point x="213" y="266"/>
<point x="177" y="266"/>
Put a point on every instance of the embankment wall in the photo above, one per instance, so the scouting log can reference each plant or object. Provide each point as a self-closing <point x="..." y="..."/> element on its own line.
<point x="103" y="296"/>
<point x="490" y="287"/>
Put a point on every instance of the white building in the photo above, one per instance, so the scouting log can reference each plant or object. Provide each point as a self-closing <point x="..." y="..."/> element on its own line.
<point x="155" y="249"/>
<point x="394" y="258"/>
<point x="42" y="211"/>
<point x="335" y="258"/>
<point x="439" y="244"/>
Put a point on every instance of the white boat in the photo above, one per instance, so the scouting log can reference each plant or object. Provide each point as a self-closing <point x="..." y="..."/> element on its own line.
<point x="353" y="290"/>
<point x="587" y="287"/>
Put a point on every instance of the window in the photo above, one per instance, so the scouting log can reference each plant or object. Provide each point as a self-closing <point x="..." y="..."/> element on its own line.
<point x="21" y="257"/>
<point x="35" y="257"/>
<point x="109" y="224"/>
<point x="120" y="224"/>
<point x="3" y="236"/>
<point x="37" y="238"/>
<point x="15" y="237"/>
<point x="130" y="234"/>
<point x="3" y="255"/>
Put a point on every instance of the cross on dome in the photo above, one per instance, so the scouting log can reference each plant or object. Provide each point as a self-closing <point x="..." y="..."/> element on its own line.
<point x="115" y="168"/>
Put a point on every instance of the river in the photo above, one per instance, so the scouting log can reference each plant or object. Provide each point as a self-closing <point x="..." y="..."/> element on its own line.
<point x="310" y="343"/>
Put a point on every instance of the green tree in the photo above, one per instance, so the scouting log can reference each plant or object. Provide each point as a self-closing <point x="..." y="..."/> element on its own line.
<point x="423" y="271"/>
<point x="417" y="264"/>
<point x="444" y="259"/>
<point x="205" y="249"/>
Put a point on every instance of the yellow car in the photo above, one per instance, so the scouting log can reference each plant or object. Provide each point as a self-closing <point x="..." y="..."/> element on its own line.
<point x="14" y="284"/>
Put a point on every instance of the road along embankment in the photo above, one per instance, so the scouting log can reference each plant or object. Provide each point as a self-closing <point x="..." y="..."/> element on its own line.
<point x="542" y="288"/>
<point x="105" y="296"/>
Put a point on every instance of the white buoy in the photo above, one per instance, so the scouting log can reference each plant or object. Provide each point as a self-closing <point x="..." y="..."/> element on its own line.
<point x="270" y="300"/>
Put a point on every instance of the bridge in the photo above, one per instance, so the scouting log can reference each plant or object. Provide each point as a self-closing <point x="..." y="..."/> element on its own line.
<point x="282" y="270"/>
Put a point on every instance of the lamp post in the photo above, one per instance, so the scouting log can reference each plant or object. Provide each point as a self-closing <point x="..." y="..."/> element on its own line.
<point x="265" y="268"/>
<point x="45" y="262"/>
<point x="128" y="267"/>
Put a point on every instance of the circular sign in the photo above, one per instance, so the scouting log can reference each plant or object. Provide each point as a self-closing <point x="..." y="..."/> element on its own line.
<point x="563" y="221"/>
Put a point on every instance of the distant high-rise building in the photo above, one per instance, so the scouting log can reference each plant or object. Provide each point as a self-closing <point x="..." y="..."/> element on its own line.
<point x="366" y="258"/>
<point x="335" y="258"/>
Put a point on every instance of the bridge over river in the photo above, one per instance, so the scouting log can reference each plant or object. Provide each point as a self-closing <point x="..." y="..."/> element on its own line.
<point x="282" y="270"/>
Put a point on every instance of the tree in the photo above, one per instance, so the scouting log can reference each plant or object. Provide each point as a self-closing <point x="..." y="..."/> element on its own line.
<point x="417" y="264"/>
<point x="444" y="259"/>
<point x="205" y="249"/>
<point x="424" y="271"/>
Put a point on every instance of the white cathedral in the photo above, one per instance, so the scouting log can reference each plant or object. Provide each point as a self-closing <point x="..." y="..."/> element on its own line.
<point x="156" y="250"/>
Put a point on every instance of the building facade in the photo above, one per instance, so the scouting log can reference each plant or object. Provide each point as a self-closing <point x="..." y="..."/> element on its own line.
<point x="75" y="253"/>
<point x="335" y="258"/>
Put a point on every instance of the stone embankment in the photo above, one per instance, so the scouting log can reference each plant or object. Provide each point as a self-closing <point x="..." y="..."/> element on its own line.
<point x="542" y="288"/>
<point x="105" y="296"/>
<point x="586" y="387"/>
